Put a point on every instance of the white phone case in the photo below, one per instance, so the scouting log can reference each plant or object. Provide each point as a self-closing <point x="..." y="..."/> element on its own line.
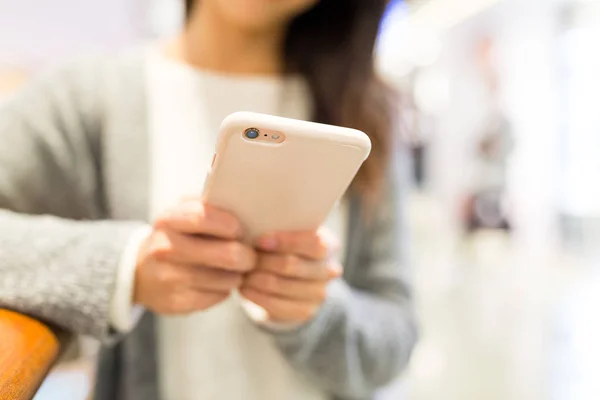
<point x="287" y="186"/>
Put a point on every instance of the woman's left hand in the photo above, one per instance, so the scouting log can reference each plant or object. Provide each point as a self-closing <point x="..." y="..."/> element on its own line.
<point x="292" y="274"/>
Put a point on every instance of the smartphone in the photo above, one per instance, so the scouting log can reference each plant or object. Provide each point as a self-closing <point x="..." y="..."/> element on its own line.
<point x="278" y="174"/>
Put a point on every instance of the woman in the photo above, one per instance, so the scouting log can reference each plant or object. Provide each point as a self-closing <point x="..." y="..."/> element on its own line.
<point x="117" y="140"/>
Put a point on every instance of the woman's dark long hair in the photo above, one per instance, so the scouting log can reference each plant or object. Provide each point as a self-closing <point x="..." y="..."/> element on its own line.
<point x="332" y="47"/>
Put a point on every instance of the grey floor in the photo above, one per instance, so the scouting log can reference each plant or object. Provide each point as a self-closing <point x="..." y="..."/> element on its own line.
<point x="499" y="321"/>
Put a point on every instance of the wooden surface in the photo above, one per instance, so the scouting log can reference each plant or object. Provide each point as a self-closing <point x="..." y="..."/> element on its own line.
<point x="28" y="349"/>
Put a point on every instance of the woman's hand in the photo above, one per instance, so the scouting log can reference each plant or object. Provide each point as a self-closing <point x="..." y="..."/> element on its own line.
<point x="192" y="260"/>
<point x="292" y="274"/>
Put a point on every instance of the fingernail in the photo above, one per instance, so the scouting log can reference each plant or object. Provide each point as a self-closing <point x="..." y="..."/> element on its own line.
<point x="336" y="270"/>
<point x="193" y="208"/>
<point x="268" y="243"/>
<point x="189" y="209"/>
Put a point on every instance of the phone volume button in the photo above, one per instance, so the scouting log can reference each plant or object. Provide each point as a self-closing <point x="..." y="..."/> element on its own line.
<point x="213" y="160"/>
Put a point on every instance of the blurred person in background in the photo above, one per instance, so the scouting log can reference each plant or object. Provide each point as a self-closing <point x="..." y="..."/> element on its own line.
<point x="486" y="205"/>
<point x="105" y="141"/>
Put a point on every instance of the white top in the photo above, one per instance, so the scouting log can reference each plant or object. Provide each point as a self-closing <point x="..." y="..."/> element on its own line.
<point x="219" y="353"/>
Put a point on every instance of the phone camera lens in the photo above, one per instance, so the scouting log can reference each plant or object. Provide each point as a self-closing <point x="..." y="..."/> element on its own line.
<point x="252" y="133"/>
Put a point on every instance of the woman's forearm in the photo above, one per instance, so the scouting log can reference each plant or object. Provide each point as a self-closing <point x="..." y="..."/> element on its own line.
<point x="357" y="343"/>
<point x="59" y="270"/>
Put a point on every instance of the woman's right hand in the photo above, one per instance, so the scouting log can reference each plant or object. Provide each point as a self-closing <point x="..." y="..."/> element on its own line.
<point x="192" y="260"/>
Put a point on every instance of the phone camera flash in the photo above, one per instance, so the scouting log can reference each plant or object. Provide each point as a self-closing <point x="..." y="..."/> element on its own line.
<point x="275" y="137"/>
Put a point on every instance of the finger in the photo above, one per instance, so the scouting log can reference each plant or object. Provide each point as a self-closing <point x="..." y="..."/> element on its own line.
<point x="178" y="248"/>
<point x="210" y="279"/>
<point x="312" y="245"/>
<point x="189" y="301"/>
<point x="191" y="216"/>
<point x="174" y="277"/>
<point x="279" y="309"/>
<point x="287" y="288"/>
<point x="296" y="267"/>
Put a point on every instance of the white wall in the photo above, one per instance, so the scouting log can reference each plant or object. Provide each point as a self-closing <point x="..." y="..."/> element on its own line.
<point x="530" y="73"/>
<point x="37" y="32"/>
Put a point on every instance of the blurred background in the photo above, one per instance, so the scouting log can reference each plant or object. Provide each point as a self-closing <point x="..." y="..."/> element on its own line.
<point x="499" y="108"/>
